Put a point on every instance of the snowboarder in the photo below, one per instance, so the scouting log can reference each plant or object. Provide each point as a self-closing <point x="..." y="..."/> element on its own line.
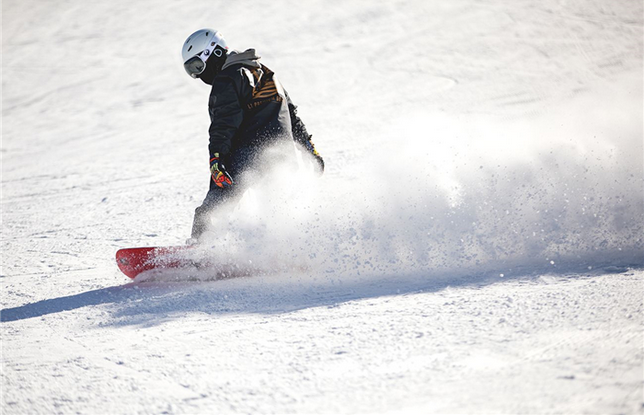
<point x="249" y="109"/>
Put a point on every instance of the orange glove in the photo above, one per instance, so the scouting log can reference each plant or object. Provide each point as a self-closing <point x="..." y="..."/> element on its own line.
<point x="218" y="172"/>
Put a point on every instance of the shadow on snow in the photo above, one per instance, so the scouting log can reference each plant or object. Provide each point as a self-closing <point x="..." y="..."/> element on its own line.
<point x="153" y="302"/>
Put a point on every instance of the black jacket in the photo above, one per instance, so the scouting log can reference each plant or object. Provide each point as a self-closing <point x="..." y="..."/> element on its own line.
<point x="249" y="108"/>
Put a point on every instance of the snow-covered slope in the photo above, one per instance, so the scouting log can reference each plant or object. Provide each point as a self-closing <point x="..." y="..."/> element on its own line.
<point x="475" y="245"/>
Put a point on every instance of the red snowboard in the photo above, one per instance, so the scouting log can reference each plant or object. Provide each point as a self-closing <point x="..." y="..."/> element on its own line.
<point x="133" y="261"/>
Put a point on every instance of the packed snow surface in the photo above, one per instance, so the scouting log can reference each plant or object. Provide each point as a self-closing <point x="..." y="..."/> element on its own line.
<point x="476" y="244"/>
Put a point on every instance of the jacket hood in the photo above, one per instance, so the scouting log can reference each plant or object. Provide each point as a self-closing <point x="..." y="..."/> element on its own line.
<point x="246" y="58"/>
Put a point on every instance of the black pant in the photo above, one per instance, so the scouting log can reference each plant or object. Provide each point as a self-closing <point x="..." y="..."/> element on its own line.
<point x="239" y="161"/>
<point x="235" y="164"/>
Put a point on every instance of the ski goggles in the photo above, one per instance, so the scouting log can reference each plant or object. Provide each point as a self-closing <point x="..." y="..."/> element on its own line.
<point x="197" y="64"/>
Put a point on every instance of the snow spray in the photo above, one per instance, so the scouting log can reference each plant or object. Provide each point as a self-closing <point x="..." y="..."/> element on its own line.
<point x="459" y="194"/>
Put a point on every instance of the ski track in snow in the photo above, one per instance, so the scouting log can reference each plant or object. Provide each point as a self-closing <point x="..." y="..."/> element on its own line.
<point x="475" y="245"/>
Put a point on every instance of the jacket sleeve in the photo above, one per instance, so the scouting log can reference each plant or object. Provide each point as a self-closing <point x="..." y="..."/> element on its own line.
<point x="299" y="129"/>
<point x="226" y="115"/>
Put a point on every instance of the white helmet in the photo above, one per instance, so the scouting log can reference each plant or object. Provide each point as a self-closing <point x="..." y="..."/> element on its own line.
<point x="200" y="46"/>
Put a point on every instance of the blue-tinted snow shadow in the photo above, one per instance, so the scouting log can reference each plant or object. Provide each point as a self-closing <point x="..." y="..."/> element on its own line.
<point x="284" y="294"/>
<point x="152" y="303"/>
<point x="114" y="294"/>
